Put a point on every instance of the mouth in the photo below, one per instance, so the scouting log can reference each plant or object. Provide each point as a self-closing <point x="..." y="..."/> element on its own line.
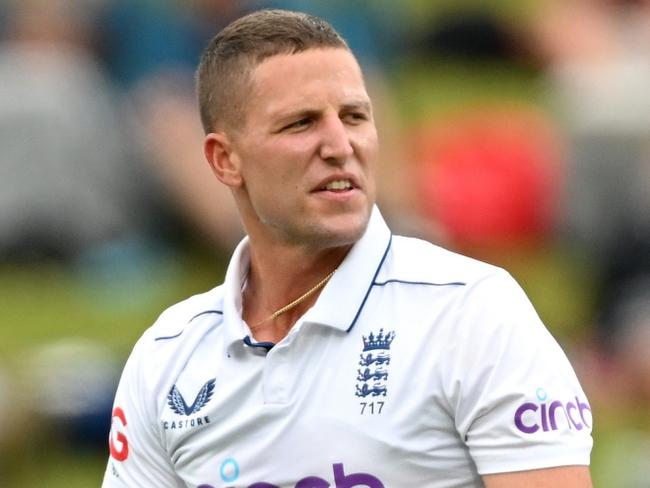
<point x="341" y="184"/>
<point x="338" y="186"/>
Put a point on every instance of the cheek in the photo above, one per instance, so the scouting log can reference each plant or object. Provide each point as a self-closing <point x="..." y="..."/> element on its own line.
<point x="369" y="158"/>
<point x="298" y="146"/>
<point x="285" y="154"/>
<point x="369" y="150"/>
<point x="284" y="165"/>
<point x="271" y="173"/>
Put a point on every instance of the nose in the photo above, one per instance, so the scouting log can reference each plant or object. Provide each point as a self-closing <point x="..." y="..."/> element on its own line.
<point x="336" y="146"/>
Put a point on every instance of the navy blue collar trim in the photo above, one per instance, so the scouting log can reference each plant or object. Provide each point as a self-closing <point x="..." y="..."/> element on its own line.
<point x="264" y="345"/>
<point x="372" y="283"/>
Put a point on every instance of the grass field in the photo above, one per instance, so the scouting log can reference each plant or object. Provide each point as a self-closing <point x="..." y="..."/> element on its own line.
<point x="47" y="304"/>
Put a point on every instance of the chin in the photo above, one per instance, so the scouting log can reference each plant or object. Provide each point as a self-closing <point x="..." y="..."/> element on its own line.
<point x="340" y="231"/>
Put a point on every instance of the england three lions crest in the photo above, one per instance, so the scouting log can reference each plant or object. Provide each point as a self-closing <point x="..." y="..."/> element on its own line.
<point x="374" y="362"/>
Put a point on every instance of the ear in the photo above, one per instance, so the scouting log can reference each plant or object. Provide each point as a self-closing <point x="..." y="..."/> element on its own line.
<point x="223" y="162"/>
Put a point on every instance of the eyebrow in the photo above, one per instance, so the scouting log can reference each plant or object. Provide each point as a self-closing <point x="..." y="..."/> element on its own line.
<point x="364" y="105"/>
<point x="311" y="112"/>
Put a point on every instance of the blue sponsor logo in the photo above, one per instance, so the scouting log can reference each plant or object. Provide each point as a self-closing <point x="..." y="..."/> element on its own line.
<point x="229" y="470"/>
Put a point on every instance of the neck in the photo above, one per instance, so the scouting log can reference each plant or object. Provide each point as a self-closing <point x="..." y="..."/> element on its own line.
<point x="277" y="279"/>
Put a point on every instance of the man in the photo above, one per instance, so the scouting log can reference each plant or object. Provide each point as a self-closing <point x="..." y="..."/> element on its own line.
<point x="335" y="354"/>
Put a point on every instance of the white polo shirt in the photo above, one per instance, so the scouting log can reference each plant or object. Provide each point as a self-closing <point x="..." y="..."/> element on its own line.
<point x="416" y="367"/>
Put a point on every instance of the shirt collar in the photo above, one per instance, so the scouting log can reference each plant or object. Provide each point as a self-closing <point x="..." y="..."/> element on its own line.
<point x="344" y="296"/>
<point x="341" y="300"/>
<point x="234" y="327"/>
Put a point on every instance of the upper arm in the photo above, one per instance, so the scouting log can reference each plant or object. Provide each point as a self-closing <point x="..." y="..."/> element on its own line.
<point x="560" y="477"/>
<point x="518" y="404"/>
<point x="137" y="455"/>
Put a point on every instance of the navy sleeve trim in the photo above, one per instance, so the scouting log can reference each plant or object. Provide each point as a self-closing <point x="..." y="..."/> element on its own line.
<point x="425" y="283"/>
<point x="372" y="283"/>
<point x="163" y="338"/>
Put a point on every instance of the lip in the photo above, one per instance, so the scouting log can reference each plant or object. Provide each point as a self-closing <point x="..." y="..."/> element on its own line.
<point x="320" y="187"/>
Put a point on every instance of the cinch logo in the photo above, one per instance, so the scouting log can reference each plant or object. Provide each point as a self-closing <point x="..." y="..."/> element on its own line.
<point x="341" y="480"/>
<point x="531" y="417"/>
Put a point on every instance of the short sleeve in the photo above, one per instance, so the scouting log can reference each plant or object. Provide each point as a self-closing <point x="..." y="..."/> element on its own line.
<point x="137" y="457"/>
<point x="516" y="400"/>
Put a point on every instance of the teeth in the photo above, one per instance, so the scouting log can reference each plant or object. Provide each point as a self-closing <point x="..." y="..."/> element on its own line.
<point x="338" y="185"/>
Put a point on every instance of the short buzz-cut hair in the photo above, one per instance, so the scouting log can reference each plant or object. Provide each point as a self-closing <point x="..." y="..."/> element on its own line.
<point x="223" y="77"/>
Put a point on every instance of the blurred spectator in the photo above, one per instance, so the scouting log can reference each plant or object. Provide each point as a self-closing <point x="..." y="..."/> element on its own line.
<point x="598" y="55"/>
<point x="70" y="383"/>
<point x="490" y="177"/>
<point x="468" y="34"/>
<point x="170" y="135"/>
<point x="618" y="375"/>
<point x="143" y="38"/>
<point x="69" y="182"/>
<point x="374" y="30"/>
<point x="624" y="318"/>
<point x="151" y="49"/>
<point x="599" y="73"/>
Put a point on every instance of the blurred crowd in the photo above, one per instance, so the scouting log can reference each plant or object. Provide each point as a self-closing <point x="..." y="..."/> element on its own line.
<point x="101" y="164"/>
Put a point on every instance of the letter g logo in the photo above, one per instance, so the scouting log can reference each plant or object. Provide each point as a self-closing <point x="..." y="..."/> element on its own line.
<point x="118" y="452"/>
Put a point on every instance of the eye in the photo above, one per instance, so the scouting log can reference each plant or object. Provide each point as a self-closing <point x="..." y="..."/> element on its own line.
<point x="298" y="124"/>
<point x="355" y="117"/>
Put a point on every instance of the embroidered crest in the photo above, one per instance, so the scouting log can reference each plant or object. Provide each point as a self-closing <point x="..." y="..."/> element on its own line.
<point x="177" y="403"/>
<point x="372" y="374"/>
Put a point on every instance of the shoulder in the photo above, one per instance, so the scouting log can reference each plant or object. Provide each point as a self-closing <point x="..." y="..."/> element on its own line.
<point x="180" y="317"/>
<point x="418" y="261"/>
<point x="165" y="346"/>
<point x="476" y="292"/>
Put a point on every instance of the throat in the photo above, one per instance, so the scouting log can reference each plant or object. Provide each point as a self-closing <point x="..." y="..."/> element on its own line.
<point x="275" y="326"/>
<point x="273" y="331"/>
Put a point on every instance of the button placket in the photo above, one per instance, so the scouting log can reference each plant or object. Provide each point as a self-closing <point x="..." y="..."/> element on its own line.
<point x="279" y="369"/>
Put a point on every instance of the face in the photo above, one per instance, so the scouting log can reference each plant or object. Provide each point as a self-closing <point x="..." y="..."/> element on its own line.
<point x="305" y="156"/>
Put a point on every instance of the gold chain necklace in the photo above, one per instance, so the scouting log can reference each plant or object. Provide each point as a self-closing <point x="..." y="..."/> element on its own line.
<point x="298" y="300"/>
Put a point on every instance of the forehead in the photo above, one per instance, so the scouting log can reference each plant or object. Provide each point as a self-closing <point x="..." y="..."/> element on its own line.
<point x="291" y="81"/>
